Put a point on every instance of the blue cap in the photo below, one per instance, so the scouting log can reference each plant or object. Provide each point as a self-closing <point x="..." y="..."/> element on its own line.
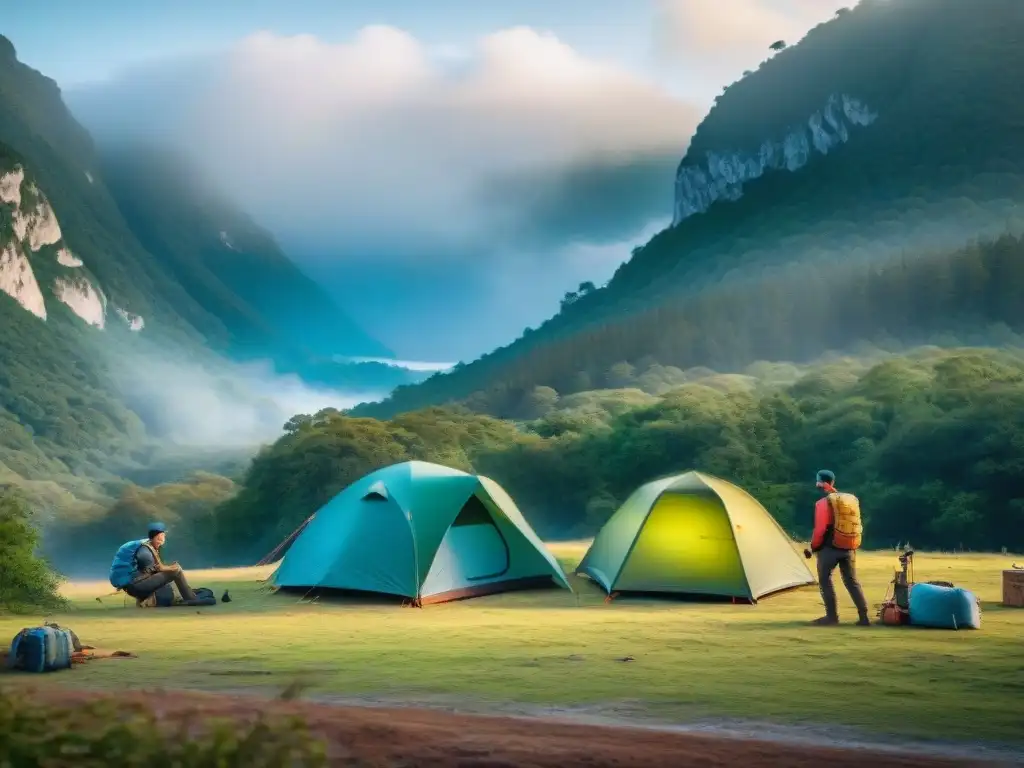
<point x="825" y="476"/>
<point x="157" y="528"/>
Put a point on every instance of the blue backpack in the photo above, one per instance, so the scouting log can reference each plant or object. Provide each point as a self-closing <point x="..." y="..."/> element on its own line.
<point x="124" y="569"/>
<point x="42" y="649"/>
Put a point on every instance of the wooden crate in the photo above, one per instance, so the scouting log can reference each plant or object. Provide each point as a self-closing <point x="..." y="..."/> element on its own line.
<point x="1013" y="588"/>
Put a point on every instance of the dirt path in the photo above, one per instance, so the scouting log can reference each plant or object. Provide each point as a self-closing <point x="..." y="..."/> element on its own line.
<point x="395" y="736"/>
<point x="637" y="717"/>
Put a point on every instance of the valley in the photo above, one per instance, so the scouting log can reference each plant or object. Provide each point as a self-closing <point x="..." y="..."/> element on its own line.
<point x="839" y="284"/>
<point x="232" y="241"/>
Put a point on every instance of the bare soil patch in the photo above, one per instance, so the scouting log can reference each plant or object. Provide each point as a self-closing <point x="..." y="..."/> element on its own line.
<point x="391" y="737"/>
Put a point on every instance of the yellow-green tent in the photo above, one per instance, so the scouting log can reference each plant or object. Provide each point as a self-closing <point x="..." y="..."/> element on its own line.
<point x="694" y="534"/>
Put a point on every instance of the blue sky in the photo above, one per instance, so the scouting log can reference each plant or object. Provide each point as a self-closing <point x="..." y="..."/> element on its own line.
<point x="446" y="168"/>
<point x="76" y="41"/>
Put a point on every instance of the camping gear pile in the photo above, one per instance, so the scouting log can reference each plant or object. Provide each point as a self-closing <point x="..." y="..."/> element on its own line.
<point x="43" y="649"/>
<point x="165" y="598"/>
<point x="937" y="604"/>
<point x="895" y="608"/>
<point x="51" y="648"/>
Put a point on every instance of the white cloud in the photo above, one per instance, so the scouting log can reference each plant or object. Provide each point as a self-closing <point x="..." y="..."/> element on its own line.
<point x="733" y="33"/>
<point x="222" y="405"/>
<point x="498" y="161"/>
<point x="381" y="134"/>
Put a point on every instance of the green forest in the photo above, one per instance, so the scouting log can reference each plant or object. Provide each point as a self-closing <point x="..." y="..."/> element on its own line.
<point x="948" y="298"/>
<point x="932" y="441"/>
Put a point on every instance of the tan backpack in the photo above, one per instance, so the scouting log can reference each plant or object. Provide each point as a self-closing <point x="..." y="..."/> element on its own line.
<point x="847" y="529"/>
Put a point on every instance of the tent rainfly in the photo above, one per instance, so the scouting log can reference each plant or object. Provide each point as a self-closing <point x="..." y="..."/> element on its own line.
<point x="420" y="531"/>
<point x="698" y="535"/>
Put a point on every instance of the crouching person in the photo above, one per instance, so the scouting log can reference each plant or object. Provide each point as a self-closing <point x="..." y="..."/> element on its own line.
<point x="138" y="570"/>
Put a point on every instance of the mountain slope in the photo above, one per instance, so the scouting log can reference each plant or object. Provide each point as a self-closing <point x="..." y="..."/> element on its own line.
<point x="152" y="235"/>
<point x="231" y="267"/>
<point x="888" y="133"/>
<point x="106" y="288"/>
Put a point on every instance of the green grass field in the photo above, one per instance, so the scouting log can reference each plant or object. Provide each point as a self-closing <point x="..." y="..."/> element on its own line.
<point x="691" y="661"/>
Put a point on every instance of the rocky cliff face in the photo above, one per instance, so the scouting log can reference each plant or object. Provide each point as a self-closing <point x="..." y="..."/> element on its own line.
<point x="30" y="239"/>
<point x="136" y="237"/>
<point x="722" y="175"/>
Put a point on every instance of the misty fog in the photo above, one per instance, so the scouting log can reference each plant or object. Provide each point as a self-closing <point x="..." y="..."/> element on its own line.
<point x="215" y="403"/>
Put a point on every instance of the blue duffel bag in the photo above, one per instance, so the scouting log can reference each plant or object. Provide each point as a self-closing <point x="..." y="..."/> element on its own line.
<point x="42" y="649"/>
<point x="942" y="607"/>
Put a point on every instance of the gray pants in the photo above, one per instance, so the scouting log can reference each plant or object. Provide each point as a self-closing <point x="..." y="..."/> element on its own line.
<point x="828" y="558"/>
<point x="142" y="588"/>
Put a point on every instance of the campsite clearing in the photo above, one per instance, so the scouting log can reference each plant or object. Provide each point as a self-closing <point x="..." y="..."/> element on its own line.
<point x="567" y="653"/>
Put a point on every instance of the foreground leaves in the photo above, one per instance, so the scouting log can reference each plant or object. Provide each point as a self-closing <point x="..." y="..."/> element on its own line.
<point x="103" y="733"/>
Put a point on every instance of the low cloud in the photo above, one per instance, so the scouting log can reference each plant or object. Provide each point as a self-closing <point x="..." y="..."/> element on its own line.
<point x="217" y="405"/>
<point x="383" y="140"/>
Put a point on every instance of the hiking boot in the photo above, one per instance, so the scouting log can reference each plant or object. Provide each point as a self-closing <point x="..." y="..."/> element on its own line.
<point x="826" y="621"/>
<point x="146" y="602"/>
<point x="863" y="621"/>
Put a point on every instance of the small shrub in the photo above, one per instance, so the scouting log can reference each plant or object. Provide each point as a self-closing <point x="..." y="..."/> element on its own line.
<point x="26" y="581"/>
<point x="104" y="733"/>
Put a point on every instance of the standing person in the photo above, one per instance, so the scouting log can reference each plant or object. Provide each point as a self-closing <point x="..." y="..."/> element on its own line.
<point x="836" y="538"/>
<point x="139" y="571"/>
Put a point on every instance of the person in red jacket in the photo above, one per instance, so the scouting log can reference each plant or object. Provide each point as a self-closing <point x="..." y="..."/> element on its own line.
<point x="836" y="545"/>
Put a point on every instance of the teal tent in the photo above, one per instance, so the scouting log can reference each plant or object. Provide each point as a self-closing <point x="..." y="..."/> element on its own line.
<point x="694" y="534"/>
<point x="420" y="531"/>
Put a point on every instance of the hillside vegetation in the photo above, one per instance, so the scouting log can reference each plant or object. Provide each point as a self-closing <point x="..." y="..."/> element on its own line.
<point x="970" y="295"/>
<point x="931" y="441"/>
<point x="938" y="169"/>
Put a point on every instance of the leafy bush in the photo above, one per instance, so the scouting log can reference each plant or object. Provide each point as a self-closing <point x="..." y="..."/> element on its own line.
<point x="26" y="581"/>
<point x="102" y="733"/>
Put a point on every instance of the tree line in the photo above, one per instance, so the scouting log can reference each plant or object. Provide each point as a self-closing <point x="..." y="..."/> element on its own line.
<point x="932" y="442"/>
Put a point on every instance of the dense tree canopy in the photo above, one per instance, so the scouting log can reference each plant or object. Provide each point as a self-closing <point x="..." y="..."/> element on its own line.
<point x="932" y="442"/>
<point x="969" y="295"/>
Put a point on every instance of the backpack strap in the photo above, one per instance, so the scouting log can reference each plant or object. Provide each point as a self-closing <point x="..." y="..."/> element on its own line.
<point x="833" y="500"/>
<point x="833" y="503"/>
<point x="151" y="548"/>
